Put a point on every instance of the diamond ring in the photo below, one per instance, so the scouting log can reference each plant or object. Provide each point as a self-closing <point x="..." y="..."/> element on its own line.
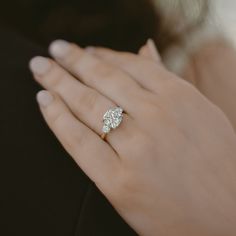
<point x="111" y="120"/>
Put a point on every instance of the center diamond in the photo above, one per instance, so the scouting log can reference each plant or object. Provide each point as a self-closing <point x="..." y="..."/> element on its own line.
<point x="112" y="119"/>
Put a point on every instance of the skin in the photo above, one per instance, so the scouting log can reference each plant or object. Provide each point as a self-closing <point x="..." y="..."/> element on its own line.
<point x="212" y="70"/>
<point x="170" y="168"/>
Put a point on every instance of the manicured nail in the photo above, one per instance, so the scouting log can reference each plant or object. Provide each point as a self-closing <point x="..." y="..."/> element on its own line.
<point x="59" y="48"/>
<point x="153" y="50"/>
<point x="39" y="65"/>
<point x="44" y="98"/>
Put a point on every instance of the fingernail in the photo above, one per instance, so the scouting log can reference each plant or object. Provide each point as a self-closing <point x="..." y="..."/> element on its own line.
<point x="39" y="65"/>
<point x="44" y="98"/>
<point x="153" y="50"/>
<point x="59" y="48"/>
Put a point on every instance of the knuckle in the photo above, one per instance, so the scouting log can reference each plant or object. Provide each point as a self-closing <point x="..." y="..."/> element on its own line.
<point x="61" y="124"/>
<point x="72" y="141"/>
<point x="58" y="120"/>
<point x="94" y="69"/>
<point x="56" y="81"/>
<point x="73" y="58"/>
<point x="151" y="108"/>
<point x="103" y="69"/>
<point x="89" y="99"/>
<point x="127" y="56"/>
<point x="78" y="140"/>
<point x="177" y="87"/>
<point x="56" y="77"/>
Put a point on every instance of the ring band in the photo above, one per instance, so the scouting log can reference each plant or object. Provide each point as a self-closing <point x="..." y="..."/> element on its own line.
<point x="111" y="120"/>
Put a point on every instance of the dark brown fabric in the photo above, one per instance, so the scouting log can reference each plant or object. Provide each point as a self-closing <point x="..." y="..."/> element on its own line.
<point x="43" y="192"/>
<point x="119" y="24"/>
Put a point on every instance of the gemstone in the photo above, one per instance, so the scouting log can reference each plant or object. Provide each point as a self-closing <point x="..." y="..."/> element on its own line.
<point x="112" y="119"/>
<point x="106" y="129"/>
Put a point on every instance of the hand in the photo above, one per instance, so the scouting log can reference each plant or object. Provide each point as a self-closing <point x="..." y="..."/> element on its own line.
<point x="170" y="168"/>
<point x="215" y="64"/>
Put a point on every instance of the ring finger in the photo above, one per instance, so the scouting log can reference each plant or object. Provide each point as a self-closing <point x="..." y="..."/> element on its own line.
<point x="86" y="103"/>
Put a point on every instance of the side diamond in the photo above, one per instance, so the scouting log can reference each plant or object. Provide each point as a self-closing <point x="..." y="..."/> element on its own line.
<point x="106" y="129"/>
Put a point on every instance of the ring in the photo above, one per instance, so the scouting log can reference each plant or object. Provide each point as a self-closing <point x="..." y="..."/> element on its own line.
<point x="111" y="120"/>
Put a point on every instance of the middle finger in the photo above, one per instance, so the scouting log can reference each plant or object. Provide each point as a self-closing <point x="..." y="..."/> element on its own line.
<point x="109" y="80"/>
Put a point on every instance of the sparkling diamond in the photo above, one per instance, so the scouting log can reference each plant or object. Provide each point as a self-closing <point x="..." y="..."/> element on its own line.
<point x="112" y="119"/>
<point x="107" y="122"/>
<point x="106" y="129"/>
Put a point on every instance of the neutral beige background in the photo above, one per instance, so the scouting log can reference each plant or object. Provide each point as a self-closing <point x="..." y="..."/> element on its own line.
<point x="221" y="21"/>
<point x="222" y="15"/>
<point x="225" y="17"/>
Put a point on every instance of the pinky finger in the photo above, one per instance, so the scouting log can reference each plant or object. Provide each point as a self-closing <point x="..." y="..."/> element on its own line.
<point x="96" y="158"/>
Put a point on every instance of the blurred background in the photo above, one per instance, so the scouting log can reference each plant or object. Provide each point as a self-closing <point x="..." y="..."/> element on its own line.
<point x="178" y="27"/>
<point x="221" y="15"/>
<point x="224" y="15"/>
<point x="120" y="24"/>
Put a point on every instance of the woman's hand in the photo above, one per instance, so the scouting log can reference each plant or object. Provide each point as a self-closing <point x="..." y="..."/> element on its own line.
<point x="170" y="168"/>
<point x="212" y="69"/>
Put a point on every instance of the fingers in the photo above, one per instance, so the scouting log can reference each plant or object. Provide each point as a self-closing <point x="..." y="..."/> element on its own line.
<point x="149" y="50"/>
<point x="109" y="80"/>
<point x="87" y="104"/>
<point x="148" y="73"/>
<point x="93" y="155"/>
